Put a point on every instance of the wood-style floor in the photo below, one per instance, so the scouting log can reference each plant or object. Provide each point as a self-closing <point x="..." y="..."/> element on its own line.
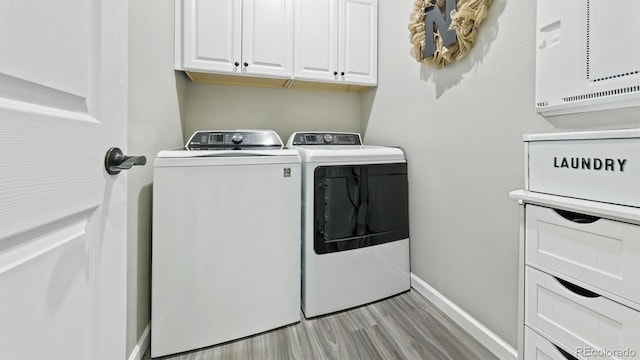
<point x="406" y="326"/>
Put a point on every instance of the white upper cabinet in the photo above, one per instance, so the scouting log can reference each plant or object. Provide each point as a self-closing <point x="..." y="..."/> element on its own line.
<point x="358" y="41"/>
<point x="212" y="35"/>
<point x="267" y="37"/>
<point x="316" y="39"/>
<point x="336" y="41"/>
<point x="248" y="37"/>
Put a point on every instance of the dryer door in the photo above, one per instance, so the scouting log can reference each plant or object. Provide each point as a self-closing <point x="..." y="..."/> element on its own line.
<point x="359" y="205"/>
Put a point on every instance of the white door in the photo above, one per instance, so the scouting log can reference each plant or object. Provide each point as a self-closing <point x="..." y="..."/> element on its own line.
<point x="316" y="40"/>
<point x="267" y="37"/>
<point x="63" y="103"/>
<point x="358" y="41"/>
<point x="212" y="35"/>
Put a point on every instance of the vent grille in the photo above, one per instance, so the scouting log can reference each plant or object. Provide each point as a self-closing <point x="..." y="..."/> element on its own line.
<point x="542" y="104"/>
<point x="599" y="94"/>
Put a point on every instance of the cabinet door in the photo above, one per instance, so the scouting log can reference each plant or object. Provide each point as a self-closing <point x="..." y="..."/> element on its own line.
<point x="212" y="35"/>
<point x="267" y="37"/>
<point x="316" y="40"/>
<point x="358" y="41"/>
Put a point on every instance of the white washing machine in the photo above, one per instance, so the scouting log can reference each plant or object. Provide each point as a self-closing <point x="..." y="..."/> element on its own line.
<point x="226" y="240"/>
<point x="355" y="221"/>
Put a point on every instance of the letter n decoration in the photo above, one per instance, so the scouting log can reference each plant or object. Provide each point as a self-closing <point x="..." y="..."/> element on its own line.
<point x="445" y="30"/>
<point x="434" y="19"/>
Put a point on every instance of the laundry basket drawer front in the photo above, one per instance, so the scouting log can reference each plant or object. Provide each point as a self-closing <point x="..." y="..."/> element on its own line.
<point x="600" y="252"/>
<point x="605" y="170"/>
<point x="578" y="318"/>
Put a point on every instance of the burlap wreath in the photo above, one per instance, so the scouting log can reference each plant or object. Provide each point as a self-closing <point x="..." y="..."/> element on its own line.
<point x="465" y="19"/>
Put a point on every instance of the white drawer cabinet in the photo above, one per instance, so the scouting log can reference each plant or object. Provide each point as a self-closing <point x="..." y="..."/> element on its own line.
<point x="579" y="293"/>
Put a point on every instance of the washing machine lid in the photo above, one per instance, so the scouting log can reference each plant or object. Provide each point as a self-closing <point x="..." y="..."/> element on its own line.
<point x="183" y="157"/>
<point x="340" y="147"/>
<point x="182" y="153"/>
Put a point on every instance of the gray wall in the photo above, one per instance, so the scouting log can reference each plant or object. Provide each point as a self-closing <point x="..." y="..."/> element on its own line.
<point x="283" y="110"/>
<point x="462" y="128"/>
<point x="155" y="91"/>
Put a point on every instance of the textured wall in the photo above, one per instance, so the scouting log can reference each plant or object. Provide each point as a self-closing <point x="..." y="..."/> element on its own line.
<point x="283" y="110"/>
<point x="155" y="91"/>
<point x="462" y="128"/>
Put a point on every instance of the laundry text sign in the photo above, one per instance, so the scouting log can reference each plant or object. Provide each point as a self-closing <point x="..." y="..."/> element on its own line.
<point x="606" y="164"/>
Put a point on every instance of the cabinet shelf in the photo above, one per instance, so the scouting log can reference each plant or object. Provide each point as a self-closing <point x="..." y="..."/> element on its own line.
<point x="224" y="79"/>
<point x="326" y="86"/>
<point x="240" y="80"/>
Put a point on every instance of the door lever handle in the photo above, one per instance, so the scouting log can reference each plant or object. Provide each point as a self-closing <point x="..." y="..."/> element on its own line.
<point x="115" y="161"/>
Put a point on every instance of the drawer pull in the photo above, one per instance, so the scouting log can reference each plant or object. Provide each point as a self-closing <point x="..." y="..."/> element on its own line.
<point x="576" y="289"/>
<point x="565" y="354"/>
<point x="577" y="217"/>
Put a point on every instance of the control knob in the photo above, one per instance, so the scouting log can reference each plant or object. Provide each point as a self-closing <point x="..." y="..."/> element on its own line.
<point x="328" y="138"/>
<point x="236" y="138"/>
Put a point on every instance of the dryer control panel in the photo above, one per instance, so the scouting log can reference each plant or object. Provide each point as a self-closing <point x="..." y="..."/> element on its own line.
<point x="324" y="138"/>
<point x="233" y="139"/>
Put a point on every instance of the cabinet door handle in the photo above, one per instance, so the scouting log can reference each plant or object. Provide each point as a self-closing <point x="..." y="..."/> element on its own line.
<point x="236" y="64"/>
<point x="576" y="289"/>
<point x="246" y="64"/>
<point x="565" y="354"/>
<point x="342" y="73"/>
<point x="335" y="73"/>
<point x="577" y="217"/>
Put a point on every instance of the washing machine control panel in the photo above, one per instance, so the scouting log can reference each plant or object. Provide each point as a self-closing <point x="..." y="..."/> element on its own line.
<point x="233" y="140"/>
<point x="324" y="138"/>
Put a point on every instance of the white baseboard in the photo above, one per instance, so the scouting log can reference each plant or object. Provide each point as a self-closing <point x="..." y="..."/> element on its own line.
<point x="141" y="347"/>
<point x="486" y="337"/>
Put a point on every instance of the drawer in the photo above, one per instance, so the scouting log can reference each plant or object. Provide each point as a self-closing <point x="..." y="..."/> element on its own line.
<point x="578" y="320"/>
<point x="538" y="348"/>
<point x="599" y="252"/>
<point x="603" y="169"/>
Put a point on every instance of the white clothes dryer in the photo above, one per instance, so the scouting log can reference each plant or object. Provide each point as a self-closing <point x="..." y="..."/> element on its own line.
<point x="355" y="221"/>
<point x="226" y="240"/>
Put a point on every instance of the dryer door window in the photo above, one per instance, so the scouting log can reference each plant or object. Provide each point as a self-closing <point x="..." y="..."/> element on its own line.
<point x="359" y="205"/>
